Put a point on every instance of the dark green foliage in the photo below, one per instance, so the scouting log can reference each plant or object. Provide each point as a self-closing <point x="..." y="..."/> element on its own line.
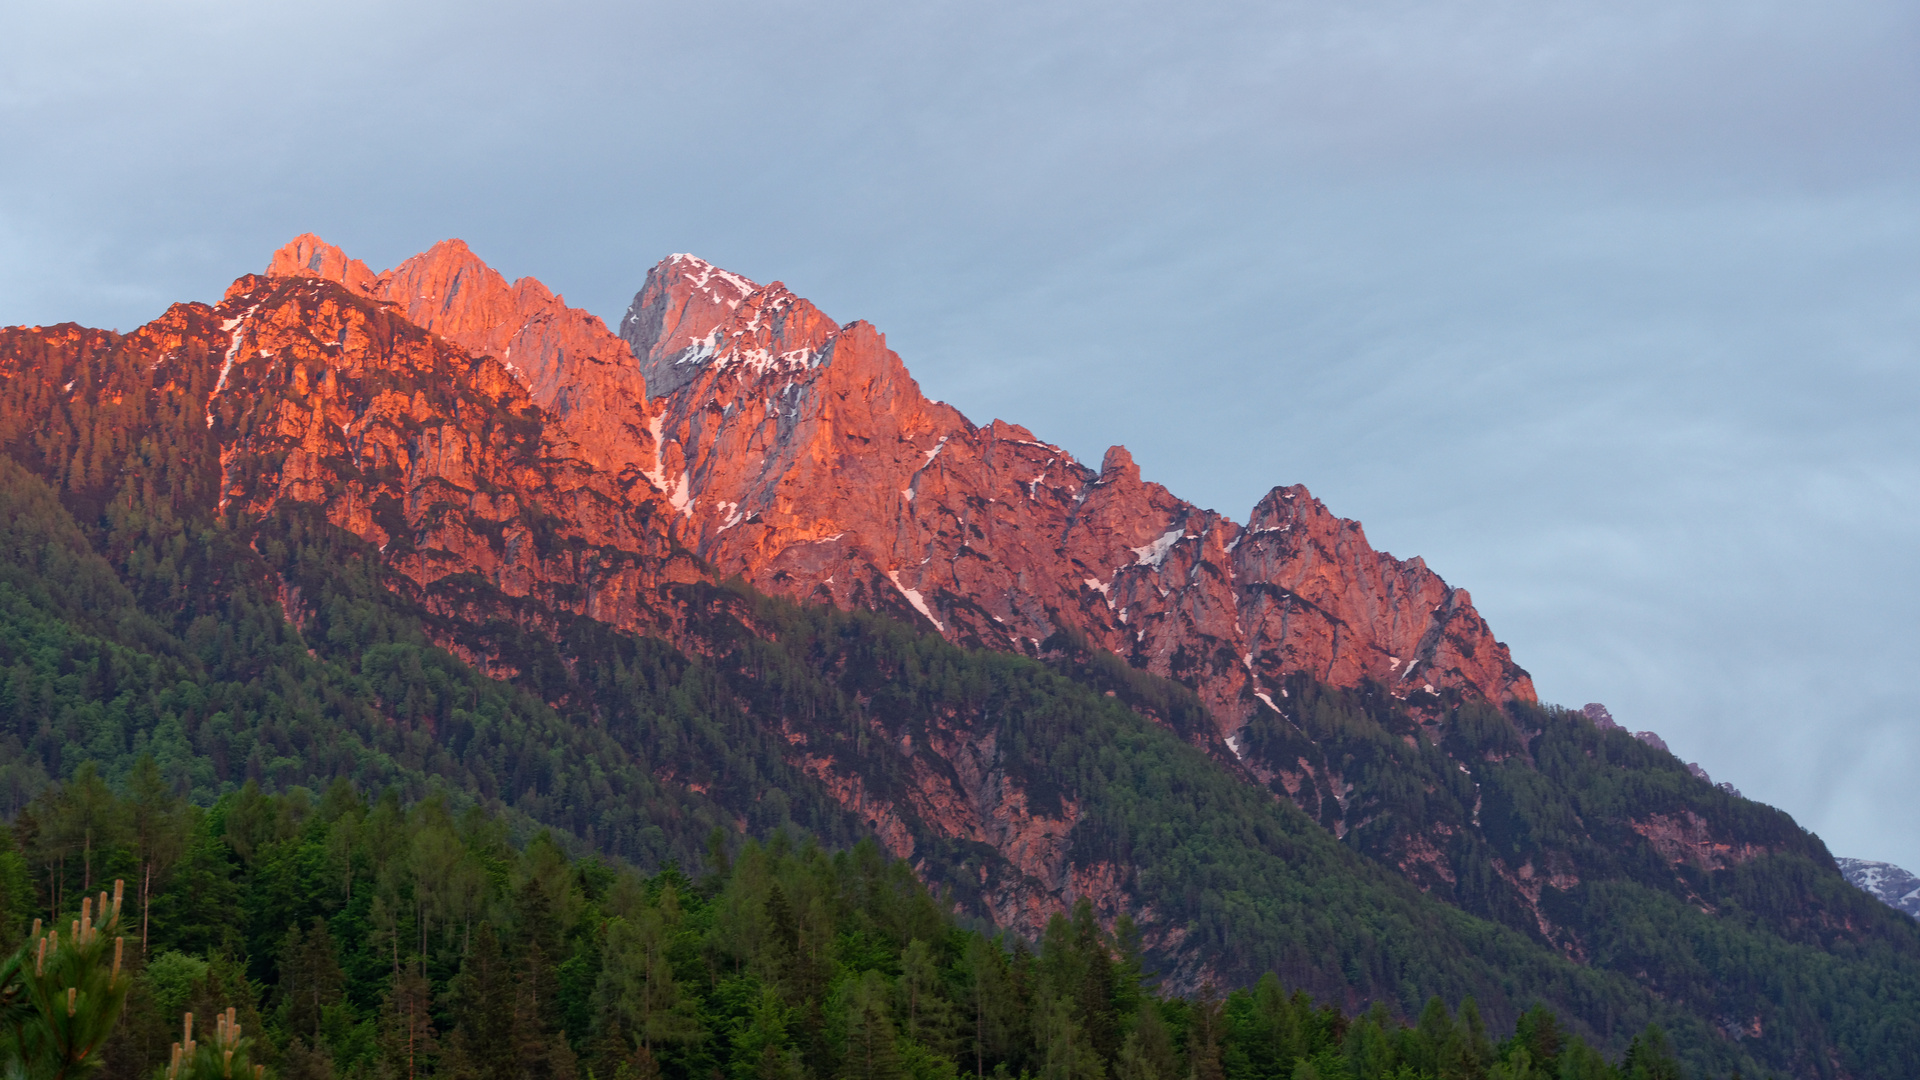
<point x="788" y="964"/>
<point x="360" y="692"/>
<point x="61" y="993"/>
<point x="1767" y="941"/>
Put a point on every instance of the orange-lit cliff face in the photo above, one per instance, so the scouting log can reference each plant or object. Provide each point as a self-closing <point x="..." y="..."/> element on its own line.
<point x="801" y="454"/>
<point x="565" y="359"/>
<point x="738" y="421"/>
<point x="316" y="397"/>
<point x="742" y="423"/>
<point x="522" y="468"/>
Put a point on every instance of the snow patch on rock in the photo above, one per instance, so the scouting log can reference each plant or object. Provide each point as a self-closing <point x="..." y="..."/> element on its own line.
<point x="919" y="602"/>
<point x="1156" y="553"/>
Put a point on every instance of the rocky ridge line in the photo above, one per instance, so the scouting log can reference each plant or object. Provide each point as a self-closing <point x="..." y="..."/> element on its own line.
<point x="804" y="456"/>
<point x="799" y="453"/>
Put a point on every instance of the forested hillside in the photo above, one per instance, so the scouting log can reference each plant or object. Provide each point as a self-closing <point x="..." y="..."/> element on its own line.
<point x="387" y="941"/>
<point x="1252" y="881"/>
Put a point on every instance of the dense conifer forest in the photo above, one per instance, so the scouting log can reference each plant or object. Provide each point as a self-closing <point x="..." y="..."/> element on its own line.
<point x="339" y="938"/>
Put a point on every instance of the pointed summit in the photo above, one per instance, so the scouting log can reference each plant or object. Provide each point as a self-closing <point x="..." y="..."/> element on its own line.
<point x="682" y="305"/>
<point x="567" y="359"/>
<point x="307" y="255"/>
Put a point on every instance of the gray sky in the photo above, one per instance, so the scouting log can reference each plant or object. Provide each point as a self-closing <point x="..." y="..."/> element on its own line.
<point x="1609" y="309"/>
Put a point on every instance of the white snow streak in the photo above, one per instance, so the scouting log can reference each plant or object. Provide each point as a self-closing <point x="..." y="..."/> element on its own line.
<point x="1156" y="553"/>
<point x="913" y="597"/>
<point x="658" y="474"/>
<point x="233" y="349"/>
<point x="699" y="348"/>
<point x="680" y="495"/>
<point x="705" y="272"/>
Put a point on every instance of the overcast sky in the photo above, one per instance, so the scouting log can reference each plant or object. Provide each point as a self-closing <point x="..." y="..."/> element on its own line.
<point x="1609" y="309"/>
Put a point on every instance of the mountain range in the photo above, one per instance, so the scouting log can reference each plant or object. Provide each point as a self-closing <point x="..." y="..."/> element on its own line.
<point x="729" y="572"/>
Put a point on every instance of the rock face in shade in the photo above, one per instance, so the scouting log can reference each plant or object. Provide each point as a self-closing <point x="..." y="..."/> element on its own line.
<point x="1601" y="718"/>
<point x="803" y="456"/>
<point x="1889" y="884"/>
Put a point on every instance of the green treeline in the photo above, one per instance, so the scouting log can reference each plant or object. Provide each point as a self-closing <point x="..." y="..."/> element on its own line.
<point x="383" y="941"/>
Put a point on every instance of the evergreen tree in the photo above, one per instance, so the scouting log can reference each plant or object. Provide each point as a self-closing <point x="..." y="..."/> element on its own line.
<point x="1204" y="1036"/>
<point x="1470" y="1050"/>
<point x="225" y="1053"/>
<point x="761" y="1049"/>
<point x="926" y="1016"/>
<point x="1578" y="1061"/>
<point x="1130" y="967"/>
<point x="157" y="828"/>
<point x="1538" y="1032"/>
<point x="1650" y="1057"/>
<point x="409" y="1046"/>
<point x="1066" y="1051"/>
<point x="540" y="1049"/>
<point x="1434" y="1034"/>
<point x="1094" y="1004"/>
<point x="61" y="993"/>
<point x="871" y="1053"/>
<point x="482" y="1046"/>
<point x="637" y="993"/>
<point x="990" y="1001"/>
<point x="1147" y="1052"/>
<point x="1369" y="1046"/>
<point x="1276" y="1034"/>
<point x="310" y="979"/>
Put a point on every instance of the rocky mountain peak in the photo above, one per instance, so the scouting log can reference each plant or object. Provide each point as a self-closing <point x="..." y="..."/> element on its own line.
<point x="307" y="255"/>
<point x="1601" y="718"/>
<point x="803" y="456"/>
<point x="1118" y="464"/>
<point x="684" y="300"/>
<point x="1888" y="883"/>
<point x="798" y="452"/>
<point x="567" y="359"/>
